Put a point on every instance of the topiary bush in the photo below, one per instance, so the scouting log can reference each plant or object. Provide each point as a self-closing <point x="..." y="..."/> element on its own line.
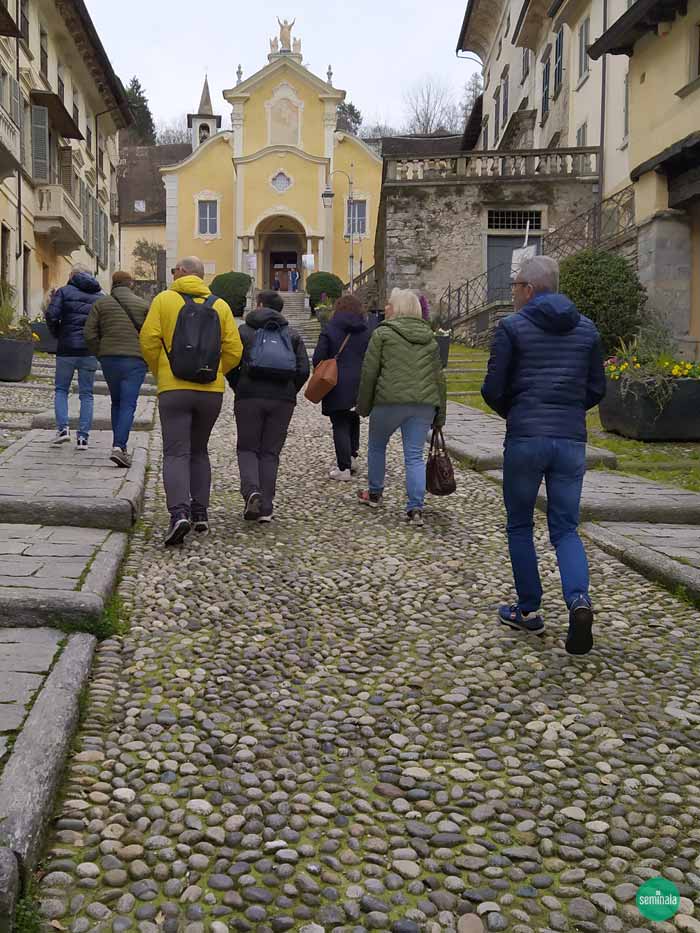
<point x="233" y="287"/>
<point x="605" y="288"/>
<point x="319" y="282"/>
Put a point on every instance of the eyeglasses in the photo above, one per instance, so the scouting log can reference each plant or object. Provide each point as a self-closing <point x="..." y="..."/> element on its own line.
<point x="525" y="284"/>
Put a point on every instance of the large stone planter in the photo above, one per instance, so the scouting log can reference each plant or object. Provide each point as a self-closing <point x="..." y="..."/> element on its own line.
<point x="15" y="359"/>
<point x="637" y="416"/>
<point x="46" y="343"/>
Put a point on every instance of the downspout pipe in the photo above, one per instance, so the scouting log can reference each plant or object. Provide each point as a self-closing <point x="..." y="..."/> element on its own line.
<point x="603" y="103"/>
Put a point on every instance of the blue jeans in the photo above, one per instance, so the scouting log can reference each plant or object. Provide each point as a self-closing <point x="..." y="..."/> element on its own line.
<point x="65" y="367"/>
<point x="415" y="422"/>
<point x="124" y="375"/>
<point x="562" y="464"/>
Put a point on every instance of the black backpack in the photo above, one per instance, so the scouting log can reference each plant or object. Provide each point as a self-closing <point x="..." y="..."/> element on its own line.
<point x="195" y="353"/>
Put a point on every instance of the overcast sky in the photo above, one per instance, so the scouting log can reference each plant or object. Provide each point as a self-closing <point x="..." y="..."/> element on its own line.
<point x="376" y="48"/>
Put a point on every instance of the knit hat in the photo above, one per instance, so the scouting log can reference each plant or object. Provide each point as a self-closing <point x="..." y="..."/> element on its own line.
<point x="121" y="278"/>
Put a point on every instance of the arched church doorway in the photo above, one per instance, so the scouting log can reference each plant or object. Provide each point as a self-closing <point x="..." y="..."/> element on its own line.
<point x="281" y="244"/>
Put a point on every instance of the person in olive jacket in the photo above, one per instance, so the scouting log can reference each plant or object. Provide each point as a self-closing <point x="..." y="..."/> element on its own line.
<point x="112" y="334"/>
<point x="402" y="386"/>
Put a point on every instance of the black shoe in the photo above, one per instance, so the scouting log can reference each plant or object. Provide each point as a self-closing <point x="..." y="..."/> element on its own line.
<point x="580" y="637"/>
<point x="200" y="519"/>
<point x="180" y="527"/>
<point x="121" y="457"/>
<point x="253" y="505"/>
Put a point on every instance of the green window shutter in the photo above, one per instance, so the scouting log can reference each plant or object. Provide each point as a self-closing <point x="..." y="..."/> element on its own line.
<point x="40" y="144"/>
<point x="15" y="102"/>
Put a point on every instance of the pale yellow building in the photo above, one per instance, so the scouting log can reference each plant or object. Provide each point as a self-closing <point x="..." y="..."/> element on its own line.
<point x="61" y="106"/>
<point x="249" y="198"/>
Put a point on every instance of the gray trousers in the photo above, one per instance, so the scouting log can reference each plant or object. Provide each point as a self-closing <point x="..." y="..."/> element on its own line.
<point x="262" y="426"/>
<point x="187" y="418"/>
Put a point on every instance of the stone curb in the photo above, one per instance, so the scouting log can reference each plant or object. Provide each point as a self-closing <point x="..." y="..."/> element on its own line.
<point x="644" y="560"/>
<point x="32" y="774"/>
<point x="36" y="608"/>
<point x="102" y="420"/>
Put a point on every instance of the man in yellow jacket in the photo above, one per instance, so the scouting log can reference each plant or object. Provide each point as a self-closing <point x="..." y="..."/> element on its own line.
<point x="188" y="410"/>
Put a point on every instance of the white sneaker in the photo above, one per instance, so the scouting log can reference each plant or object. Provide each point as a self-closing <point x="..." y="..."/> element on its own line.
<point x="62" y="437"/>
<point x="341" y="476"/>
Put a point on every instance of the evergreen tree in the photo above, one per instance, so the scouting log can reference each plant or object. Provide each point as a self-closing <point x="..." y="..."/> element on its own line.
<point x="143" y="132"/>
<point x="349" y="118"/>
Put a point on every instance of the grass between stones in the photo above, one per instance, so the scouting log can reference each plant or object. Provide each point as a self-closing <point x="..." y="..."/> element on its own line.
<point x="27" y="915"/>
<point x="115" y="620"/>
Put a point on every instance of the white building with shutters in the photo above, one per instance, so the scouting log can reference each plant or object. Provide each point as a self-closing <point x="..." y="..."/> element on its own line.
<point x="61" y="107"/>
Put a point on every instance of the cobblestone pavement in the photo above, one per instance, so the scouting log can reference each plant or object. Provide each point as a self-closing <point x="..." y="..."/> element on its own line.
<point x="319" y="726"/>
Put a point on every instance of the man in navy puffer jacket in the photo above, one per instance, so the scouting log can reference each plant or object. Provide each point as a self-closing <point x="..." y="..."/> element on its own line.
<point x="545" y="372"/>
<point x="66" y="316"/>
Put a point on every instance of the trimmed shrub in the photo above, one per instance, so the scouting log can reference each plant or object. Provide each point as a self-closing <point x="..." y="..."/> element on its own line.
<point x="319" y="282"/>
<point x="233" y="287"/>
<point x="606" y="289"/>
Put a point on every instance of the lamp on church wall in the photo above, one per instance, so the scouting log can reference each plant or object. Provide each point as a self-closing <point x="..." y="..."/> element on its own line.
<point x="327" y="197"/>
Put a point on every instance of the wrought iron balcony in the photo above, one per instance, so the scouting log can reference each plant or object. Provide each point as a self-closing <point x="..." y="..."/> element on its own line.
<point x="581" y="163"/>
<point x="9" y="145"/>
<point x="57" y="218"/>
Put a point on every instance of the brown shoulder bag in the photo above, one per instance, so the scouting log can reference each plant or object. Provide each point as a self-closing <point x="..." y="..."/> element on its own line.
<point x="325" y="377"/>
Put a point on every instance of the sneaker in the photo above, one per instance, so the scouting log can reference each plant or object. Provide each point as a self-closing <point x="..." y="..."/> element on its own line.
<point x="253" y="504"/>
<point x="82" y="442"/>
<point x="372" y="499"/>
<point x="342" y="476"/>
<point x="514" y="618"/>
<point x="62" y="437"/>
<point x="200" y="519"/>
<point x="121" y="457"/>
<point x="264" y="519"/>
<point x="415" y="517"/>
<point x="580" y="637"/>
<point x="180" y="527"/>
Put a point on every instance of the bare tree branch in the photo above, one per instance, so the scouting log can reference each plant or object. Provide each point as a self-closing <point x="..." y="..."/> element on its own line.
<point x="431" y="108"/>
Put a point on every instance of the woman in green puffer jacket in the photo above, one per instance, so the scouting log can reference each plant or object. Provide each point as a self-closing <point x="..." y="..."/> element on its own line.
<point x="402" y="386"/>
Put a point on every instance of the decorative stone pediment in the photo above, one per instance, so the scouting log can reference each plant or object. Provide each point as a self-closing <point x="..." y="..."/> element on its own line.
<point x="284" y="116"/>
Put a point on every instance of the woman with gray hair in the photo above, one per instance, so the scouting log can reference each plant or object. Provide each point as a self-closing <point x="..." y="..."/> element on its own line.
<point x="402" y="387"/>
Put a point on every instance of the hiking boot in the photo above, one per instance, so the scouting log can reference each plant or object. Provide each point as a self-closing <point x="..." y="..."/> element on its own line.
<point x="341" y="476"/>
<point x="200" y="519"/>
<point x="121" y="457"/>
<point x="515" y="618"/>
<point x="62" y="437"/>
<point x="180" y="527"/>
<point x="253" y="504"/>
<point x="415" y="517"/>
<point x="82" y="442"/>
<point x="580" y="636"/>
<point x="372" y="499"/>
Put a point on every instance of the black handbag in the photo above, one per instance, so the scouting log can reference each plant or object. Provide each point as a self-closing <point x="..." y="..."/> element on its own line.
<point x="439" y="472"/>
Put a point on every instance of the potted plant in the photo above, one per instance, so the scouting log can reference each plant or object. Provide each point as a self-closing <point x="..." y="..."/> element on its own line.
<point x="16" y="339"/>
<point x="651" y="398"/>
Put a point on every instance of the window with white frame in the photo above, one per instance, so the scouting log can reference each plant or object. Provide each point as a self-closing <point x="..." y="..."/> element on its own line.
<point x="526" y="63"/>
<point x="584" y="32"/>
<point x="356" y="220"/>
<point x="559" y="61"/>
<point x="505" y="89"/>
<point x="496" y="116"/>
<point x="546" y="70"/>
<point x="485" y="133"/>
<point x="208" y="218"/>
<point x="582" y="135"/>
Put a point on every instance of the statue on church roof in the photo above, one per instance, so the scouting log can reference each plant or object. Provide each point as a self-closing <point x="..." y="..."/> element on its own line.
<point x="286" y="34"/>
<point x="297" y="46"/>
<point x="274" y="45"/>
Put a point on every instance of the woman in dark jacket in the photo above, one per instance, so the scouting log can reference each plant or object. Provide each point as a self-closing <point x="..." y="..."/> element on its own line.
<point x="348" y="321"/>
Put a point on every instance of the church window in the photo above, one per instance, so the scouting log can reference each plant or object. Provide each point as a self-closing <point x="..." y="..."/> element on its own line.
<point x="281" y="182"/>
<point x="208" y="218"/>
<point x="356" y="218"/>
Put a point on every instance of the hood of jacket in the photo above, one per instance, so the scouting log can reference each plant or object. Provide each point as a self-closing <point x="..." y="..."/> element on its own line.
<point x="85" y="282"/>
<point x="191" y="285"/>
<point x="413" y="329"/>
<point x="552" y="312"/>
<point x="349" y="322"/>
<point x="262" y="316"/>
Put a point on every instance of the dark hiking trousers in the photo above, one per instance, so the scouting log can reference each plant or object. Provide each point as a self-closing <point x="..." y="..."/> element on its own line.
<point x="187" y="418"/>
<point x="346" y="437"/>
<point x="262" y="426"/>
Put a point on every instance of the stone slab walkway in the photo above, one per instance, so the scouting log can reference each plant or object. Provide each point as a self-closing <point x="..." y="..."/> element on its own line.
<point x="102" y="419"/>
<point x="50" y="574"/>
<point x="66" y="486"/>
<point x="477" y="438"/>
<point x="319" y="725"/>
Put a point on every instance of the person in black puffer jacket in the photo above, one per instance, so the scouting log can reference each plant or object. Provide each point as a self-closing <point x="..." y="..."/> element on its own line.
<point x="66" y="316"/>
<point x="545" y="372"/>
<point x="348" y="321"/>
<point x="264" y="408"/>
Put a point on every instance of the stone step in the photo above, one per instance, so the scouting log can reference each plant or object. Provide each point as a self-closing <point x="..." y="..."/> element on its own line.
<point x="102" y="418"/>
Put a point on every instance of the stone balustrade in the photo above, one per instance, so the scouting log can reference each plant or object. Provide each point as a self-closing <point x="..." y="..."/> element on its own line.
<point x="543" y="164"/>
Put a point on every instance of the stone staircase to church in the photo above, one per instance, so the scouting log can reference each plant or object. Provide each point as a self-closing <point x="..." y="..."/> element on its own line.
<point x="297" y="314"/>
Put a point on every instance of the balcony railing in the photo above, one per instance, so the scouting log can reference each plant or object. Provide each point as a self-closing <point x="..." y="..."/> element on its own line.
<point x="57" y="218"/>
<point x="9" y="145"/>
<point x="541" y="164"/>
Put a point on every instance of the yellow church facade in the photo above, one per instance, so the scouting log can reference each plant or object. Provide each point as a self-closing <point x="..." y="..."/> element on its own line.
<point x="250" y="199"/>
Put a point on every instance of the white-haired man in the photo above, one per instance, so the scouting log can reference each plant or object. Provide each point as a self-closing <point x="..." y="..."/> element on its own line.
<point x="544" y="373"/>
<point x="66" y="316"/>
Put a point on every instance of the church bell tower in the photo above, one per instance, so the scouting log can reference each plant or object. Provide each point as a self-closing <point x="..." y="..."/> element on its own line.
<point x="205" y="122"/>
